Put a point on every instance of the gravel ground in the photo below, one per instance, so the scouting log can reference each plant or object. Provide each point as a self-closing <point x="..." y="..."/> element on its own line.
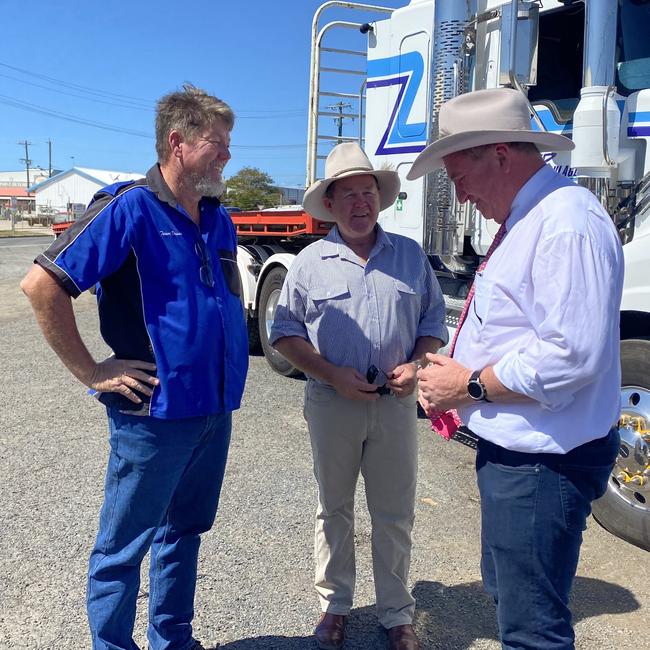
<point x="255" y="573"/>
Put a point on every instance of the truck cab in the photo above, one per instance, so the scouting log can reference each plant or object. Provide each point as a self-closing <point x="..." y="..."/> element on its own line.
<point x="584" y="68"/>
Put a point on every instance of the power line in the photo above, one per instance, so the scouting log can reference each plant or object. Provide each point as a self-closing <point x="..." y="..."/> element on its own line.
<point x="268" y="146"/>
<point x="277" y="111"/>
<point x="268" y="117"/>
<point x="104" y="97"/>
<point x="69" y="94"/>
<point x="9" y="101"/>
<point x="99" y="93"/>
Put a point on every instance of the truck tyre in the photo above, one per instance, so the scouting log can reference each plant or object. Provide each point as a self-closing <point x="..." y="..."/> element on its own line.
<point x="624" y="510"/>
<point x="269" y="297"/>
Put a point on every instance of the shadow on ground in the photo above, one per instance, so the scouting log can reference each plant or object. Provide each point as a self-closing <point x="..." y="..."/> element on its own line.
<point x="451" y="617"/>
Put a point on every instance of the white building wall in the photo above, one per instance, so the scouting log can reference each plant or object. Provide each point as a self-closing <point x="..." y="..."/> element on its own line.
<point x="71" y="189"/>
<point x="19" y="178"/>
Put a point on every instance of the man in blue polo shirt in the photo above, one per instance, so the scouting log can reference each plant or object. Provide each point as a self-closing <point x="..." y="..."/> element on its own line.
<point x="162" y="252"/>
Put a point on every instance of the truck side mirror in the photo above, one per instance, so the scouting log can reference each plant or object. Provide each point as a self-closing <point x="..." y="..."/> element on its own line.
<point x="526" y="29"/>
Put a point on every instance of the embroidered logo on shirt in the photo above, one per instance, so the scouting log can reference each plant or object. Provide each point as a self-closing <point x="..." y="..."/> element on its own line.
<point x="170" y="233"/>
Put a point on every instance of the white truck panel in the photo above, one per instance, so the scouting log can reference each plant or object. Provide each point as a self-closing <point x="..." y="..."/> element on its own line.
<point x="397" y="107"/>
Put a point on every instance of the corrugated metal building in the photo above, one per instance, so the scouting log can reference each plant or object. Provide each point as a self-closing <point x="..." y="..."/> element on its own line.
<point x="75" y="187"/>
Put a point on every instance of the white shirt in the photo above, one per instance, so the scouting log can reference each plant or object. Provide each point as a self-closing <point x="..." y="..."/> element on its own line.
<point x="545" y="314"/>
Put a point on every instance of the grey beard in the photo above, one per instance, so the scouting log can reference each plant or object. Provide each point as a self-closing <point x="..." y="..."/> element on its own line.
<point x="208" y="187"/>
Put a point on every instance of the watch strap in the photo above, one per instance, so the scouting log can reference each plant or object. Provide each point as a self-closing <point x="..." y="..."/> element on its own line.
<point x="475" y="378"/>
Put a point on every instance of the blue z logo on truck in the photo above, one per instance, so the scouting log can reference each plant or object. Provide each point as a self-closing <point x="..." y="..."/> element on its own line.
<point x="405" y="71"/>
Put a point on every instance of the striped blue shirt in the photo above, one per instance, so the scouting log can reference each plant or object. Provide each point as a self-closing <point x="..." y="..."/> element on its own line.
<point x="360" y="314"/>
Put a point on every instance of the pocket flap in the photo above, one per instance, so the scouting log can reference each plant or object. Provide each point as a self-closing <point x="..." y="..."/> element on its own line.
<point x="329" y="292"/>
<point x="402" y="287"/>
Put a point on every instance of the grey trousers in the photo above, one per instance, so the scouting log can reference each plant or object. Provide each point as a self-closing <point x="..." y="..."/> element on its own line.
<point x="378" y="439"/>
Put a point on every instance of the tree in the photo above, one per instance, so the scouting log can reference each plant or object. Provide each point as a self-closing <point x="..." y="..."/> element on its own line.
<point x="250" y="189"/>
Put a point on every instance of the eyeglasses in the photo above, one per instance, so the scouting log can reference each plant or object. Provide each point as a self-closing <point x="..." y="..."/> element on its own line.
<point x="205" y="272"/>
<point x="371" y="375"/>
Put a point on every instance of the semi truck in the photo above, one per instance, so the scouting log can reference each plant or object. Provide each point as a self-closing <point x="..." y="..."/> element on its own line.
<point x="584" y="68"/>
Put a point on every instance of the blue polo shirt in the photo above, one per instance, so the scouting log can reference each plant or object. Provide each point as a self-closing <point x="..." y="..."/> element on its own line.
<point x="145" y="253"/>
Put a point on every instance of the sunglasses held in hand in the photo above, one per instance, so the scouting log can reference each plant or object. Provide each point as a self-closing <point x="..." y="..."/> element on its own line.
<point x="371" y="375"/>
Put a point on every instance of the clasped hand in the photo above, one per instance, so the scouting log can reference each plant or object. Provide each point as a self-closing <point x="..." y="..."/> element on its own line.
<point x="441" y="383"/>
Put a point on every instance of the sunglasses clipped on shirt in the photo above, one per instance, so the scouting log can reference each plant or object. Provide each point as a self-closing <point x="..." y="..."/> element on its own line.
<point x="205" y="272"/>
<point x="371" y="375"/>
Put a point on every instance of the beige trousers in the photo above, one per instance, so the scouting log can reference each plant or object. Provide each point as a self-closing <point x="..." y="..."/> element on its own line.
<point x="378" y="439"/>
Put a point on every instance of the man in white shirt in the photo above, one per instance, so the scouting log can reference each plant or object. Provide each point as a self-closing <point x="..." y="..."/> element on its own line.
<point x="534" y="369"/>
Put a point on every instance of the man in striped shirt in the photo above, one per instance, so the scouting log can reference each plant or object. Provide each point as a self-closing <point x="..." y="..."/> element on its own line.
<point x="357" y="309"/>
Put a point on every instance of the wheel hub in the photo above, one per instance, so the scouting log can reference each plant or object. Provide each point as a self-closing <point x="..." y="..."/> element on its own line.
<point x="271" y="306"/>
<point x="631" y="473"/>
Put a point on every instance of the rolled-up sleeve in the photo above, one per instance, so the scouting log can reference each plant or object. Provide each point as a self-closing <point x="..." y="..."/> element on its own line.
<point x="289" y="319"/>
<point x="574" y="283"/>
<point x="432" y="312"/>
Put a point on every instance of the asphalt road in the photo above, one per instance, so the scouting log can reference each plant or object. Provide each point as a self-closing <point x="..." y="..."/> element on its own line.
<point x="255" y="573"/>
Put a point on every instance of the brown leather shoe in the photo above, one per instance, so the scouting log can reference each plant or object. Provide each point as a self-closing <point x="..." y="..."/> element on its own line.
<point x="402" y="637"/>
<point x="330" y="631"/>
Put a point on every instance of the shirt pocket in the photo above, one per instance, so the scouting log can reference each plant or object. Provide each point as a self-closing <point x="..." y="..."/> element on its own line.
<point x="332" y="292"/>
<point x="407" y="291"/>
<point x="408" y="297"/>
<point x="329" y="306"/>
<point x="482" y="301"/>
<point x="230" y="271"/>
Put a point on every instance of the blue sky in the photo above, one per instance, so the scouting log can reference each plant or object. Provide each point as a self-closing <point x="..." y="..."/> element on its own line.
<point x="66" y="63"/>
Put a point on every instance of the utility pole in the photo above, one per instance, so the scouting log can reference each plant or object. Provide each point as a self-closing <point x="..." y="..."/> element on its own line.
<point x="26" y="159"/>
<point x="49" y="158"/>
<point x="340" y="106"/>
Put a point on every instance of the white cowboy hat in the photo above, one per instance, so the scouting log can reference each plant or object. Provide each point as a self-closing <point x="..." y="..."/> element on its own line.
<point x="484" y="117"/>
<point x="345" y="160"/>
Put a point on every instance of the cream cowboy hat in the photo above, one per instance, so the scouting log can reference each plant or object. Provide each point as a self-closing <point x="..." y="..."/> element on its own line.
<point x="484" y="117"/>
<point x="345" y="160"/>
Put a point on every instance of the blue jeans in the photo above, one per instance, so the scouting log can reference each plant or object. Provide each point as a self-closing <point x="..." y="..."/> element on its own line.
<point x="162" y="490"/>
<point x="534" y="508"/>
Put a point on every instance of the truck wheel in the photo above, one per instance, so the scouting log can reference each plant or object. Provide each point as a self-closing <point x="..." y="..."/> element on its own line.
<point x="269" y="297"/>
<point x="624" y="510"/>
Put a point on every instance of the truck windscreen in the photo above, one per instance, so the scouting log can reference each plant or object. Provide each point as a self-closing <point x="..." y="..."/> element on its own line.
<point x="633" y="67"/>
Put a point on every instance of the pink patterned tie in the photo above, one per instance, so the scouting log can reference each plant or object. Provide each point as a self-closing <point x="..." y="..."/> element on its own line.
<point x="446" y="423"/>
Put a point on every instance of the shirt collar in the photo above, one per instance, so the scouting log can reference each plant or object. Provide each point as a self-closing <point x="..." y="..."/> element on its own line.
<point x="529" y="194"/>
<point x="335" y="246"/>
<point x="160" y="188"/>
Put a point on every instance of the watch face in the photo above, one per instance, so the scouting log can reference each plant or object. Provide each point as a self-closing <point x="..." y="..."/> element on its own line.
<point x="475" y="390"/>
